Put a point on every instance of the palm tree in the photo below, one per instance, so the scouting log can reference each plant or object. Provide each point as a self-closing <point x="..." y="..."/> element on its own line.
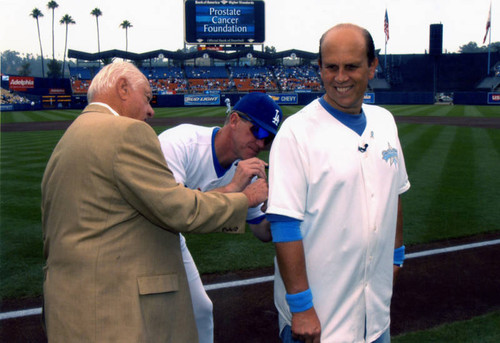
<point x="66" y="19"/>
<point x="125" y="25"/>
<point x="52" y="5"/>
<point x="36" y="13"/>
<point x="97" y="13"/>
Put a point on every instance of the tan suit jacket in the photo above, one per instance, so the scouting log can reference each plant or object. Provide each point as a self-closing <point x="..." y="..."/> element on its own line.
<point x="111" y="217"/>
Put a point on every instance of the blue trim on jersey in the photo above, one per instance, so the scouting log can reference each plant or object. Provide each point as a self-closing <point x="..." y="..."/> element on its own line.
<point x="257" y="220"/>
<point x="356" y="122"/>
<point x="279" y="218"/>
<point x="219" y="170"/>
<point x="284" y="229"/>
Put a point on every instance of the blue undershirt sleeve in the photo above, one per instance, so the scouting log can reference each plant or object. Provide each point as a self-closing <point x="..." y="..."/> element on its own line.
<point x="257" y="220"/>
<point x="284" y="229"/>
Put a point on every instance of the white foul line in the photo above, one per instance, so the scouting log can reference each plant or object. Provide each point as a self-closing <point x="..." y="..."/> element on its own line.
<point x="239" y="283"/>
<point x="20" y="313"/>
<point x="215" y="286"/>
<point x="451" y="249"/>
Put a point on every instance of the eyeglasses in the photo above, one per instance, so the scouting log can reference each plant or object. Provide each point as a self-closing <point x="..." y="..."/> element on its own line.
<point x="257" y="131"/>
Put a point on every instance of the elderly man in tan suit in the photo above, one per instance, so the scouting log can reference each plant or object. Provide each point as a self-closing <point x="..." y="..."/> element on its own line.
<point x="111" y="217"/>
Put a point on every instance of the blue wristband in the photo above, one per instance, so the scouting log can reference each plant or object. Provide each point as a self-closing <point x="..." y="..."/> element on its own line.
<point x="300" y="302"/>
<point x="399" y="256"/>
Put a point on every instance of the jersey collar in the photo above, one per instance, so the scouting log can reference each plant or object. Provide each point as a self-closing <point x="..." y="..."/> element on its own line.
<point x="356" y="122"/>
<point x="219" y="170"/>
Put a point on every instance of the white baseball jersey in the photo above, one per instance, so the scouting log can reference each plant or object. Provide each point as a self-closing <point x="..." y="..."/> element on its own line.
<point x="347" y="202"/>
<point x="190" y="155"/>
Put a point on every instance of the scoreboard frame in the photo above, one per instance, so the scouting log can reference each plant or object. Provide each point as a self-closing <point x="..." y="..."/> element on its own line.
<point x="224" y="22"/>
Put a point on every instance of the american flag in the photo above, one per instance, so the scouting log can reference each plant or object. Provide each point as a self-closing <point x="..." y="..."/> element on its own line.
<point x="386" y="26"/>
<point x="488" y="25"/>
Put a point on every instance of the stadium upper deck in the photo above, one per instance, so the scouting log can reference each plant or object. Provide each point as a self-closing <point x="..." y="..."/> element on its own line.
<point x="252" y="70"/>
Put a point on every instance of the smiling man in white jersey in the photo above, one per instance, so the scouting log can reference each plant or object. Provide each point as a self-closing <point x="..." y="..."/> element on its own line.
<point x="336" y="217"/>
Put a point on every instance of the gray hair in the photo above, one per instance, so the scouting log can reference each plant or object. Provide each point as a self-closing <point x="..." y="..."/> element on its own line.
<point x="107" y="77"/>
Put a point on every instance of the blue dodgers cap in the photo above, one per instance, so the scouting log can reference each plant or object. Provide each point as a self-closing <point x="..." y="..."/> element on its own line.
<point x="262" y="109"/>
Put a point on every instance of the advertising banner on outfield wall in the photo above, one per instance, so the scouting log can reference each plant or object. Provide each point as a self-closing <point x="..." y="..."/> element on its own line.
<point x="201" y="99"/>
<point x="369" y="98"/>
<point x="285" y="99"/>
<point x="21" y="83"/>
<point x="494" y="98"/>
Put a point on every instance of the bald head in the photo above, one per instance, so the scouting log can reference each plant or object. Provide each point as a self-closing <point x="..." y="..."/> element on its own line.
<point x="352" y="29"/>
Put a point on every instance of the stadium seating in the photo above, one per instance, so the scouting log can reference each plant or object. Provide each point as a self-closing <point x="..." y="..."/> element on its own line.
<point x="201" y="85"/>
<point x="83" y="73"/>
<point x="80" y="86"/>
<point x="162" y="72"/>
<point x="297" y="78"/>
<point x="81" y="77"/>
<point x="247" y="78"/>
<point x="190" y="79"/>
<point x="7" y="97"/>
<point x="206" y="73"/>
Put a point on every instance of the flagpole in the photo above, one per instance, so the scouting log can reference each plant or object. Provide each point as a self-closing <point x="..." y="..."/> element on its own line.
<point x="489" y="54"/>
<point x="488" y="30"/>
<point x="385" y="57"/>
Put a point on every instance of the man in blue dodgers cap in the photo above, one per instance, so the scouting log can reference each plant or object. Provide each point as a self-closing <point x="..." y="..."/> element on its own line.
<point x="222" y="159"/>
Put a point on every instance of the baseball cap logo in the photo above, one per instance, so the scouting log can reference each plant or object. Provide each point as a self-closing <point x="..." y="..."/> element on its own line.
<point x="276" y="119"/>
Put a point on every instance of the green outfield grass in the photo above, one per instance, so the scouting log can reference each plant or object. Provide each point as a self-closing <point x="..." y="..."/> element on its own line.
<point x="452" y="171"/>
<point x="398" y="110"/>
<point x="482" y="329"/>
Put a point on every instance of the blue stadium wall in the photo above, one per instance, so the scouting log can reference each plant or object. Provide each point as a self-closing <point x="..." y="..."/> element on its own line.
<point x="380" y="98"/>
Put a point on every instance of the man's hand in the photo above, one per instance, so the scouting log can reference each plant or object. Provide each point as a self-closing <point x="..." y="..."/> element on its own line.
<point x="245" y="172"/>
<point x="256" y="192"/>
<point x="306" y="326"/>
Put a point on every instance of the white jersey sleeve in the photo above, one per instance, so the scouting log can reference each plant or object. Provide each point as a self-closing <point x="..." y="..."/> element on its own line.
<point x="287" y="175"/>
<point x="176" y="151"/>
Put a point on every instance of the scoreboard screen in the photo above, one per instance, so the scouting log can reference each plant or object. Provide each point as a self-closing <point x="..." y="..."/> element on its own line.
<point x="224" y="21"/>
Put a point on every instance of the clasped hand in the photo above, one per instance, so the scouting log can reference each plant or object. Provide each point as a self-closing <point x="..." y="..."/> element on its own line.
<point x="246" y="171"/>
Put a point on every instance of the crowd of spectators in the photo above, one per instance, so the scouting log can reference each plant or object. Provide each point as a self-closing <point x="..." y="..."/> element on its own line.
<point x="189" y="79"/>
<point x="253" y="78"/>
<point x="80" y="86"/>
<point x="7" y="97"/>
<point x="202" y="85"/>
<point x="81" y="77"/>
<point x="298" y="78"/>
<point x="206" y="73"/>
<point x="171" y="85"/>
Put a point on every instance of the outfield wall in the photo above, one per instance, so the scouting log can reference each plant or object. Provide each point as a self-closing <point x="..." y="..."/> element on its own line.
<point x="476" y="98"/>
<point x="383" y="98"/>
<point x="404" y="98"/>
<point x="379" y="98"/>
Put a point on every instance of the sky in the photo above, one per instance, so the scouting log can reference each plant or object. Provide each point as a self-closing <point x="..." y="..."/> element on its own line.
<point x="289" y="24"/>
